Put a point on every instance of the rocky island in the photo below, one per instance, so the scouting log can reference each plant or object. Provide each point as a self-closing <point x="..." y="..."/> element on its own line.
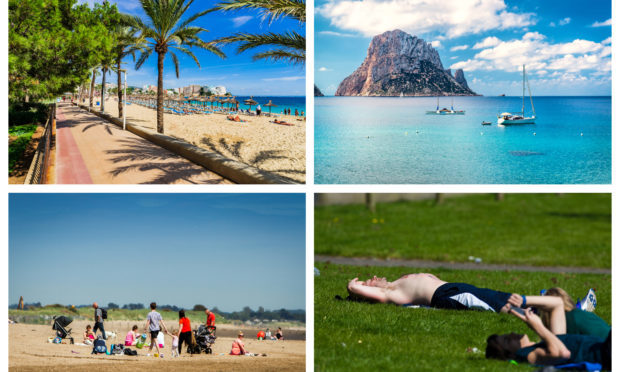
<point x="398" y="63"/>
<point x="317" y="92"/>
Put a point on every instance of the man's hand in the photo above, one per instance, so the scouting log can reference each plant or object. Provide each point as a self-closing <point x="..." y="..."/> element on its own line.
<point x="354" y="282"/>
<point x="515" y="300"/>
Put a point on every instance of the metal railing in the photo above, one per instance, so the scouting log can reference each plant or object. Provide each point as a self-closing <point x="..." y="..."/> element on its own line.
<point x="37" y="173"/>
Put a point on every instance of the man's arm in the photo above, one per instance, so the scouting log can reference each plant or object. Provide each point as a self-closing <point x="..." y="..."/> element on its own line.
<point x="373" y="293"/>
<point x="163" y="325"/>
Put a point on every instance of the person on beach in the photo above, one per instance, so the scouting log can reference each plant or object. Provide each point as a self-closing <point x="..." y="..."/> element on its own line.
<point x="578" y="322"/>
<point x="555" y="347"/>
<point x="98" y="320"/>
<point x="296" y="112"/>
<point x="185" y="331"/>
<point x="428" y="290"/>
<point x="238" y="348"/>
<point x="153" y="322"/>
<point x="258" y="110"/>
<point x="268" y="335"/>
<point x="210" y="318"/>
<point x="279" y="334"/>
<point x="89" y="336"/>
<point x="132" y="336"/>
<point x="176" y="347"/>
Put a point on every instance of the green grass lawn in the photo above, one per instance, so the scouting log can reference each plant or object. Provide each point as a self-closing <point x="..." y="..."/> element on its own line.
<point x="18" y="146"/>
<point x="366" y="337"/>
<point x="534" y="229"/>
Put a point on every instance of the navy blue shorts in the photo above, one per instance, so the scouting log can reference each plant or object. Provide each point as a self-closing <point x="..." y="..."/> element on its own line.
<point x="462" y="296"/>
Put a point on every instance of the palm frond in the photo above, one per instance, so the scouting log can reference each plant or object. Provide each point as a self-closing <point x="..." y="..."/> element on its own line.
<point x="189" y="53"/>
<point x="281" y="55"/>
<point x="289" y="40"/>
<point x="175" y="60"/>
<point x="143" y="57"/>
<point x="270" y="9"/>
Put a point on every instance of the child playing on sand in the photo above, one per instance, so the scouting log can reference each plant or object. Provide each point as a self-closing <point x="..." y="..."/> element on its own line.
<point x="175" y="343"/>
<point x="132" y="336"/>
<point x="89" y="336"/>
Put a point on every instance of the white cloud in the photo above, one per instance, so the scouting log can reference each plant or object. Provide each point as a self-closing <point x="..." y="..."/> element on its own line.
<point x="606" y="41"/>
<point x="488" y="42"/>
<point x="451" y="18"/>
<point x="436" y="44"/>
<point x="240" y="21"/>
<point x="459" y="47"/>
<point x="533" y="51"/>
<point x="285" y="78"/>
<point x="334" y="33"/>
<point x="323" y="69"/>
<point x="564" y="22"/>
<point x="602" y="24"/>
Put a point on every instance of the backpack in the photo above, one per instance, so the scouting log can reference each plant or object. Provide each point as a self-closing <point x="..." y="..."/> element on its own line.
<point x="104" y="313"/>
<point x="128" y="351"/>
<point x="99" y="347"/>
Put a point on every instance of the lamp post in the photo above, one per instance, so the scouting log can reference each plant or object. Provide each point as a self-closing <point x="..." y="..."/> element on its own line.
<point x="125" y="100"/>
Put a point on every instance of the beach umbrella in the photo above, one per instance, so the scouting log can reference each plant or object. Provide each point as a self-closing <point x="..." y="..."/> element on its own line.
<point x="250" y="102"/>
<point x="236" y="103"/>
<point x="270" y="105"/>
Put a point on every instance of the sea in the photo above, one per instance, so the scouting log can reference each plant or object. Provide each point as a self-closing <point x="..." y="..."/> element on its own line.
<point x="282" y="102"/>
<point x="391" y="140"/>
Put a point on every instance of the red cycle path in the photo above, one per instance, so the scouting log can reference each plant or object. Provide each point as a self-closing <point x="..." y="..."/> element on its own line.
<point x="92" y="150"/>
<point x="70" y="167"/>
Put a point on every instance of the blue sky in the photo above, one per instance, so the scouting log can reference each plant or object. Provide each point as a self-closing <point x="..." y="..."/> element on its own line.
<point x="224" y="250"/>
<point x="566" y="44"/>
<point x="238" y="73"/>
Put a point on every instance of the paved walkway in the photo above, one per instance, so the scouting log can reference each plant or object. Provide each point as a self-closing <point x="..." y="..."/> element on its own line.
<point x="355" y="261"/>
<point x="92" y="150"/>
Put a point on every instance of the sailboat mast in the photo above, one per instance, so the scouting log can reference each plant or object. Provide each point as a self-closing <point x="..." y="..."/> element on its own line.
<point x="523" y="96"/>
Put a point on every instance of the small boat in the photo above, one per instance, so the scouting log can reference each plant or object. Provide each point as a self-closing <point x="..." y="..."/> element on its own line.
<point x="445" y="111"/>
<point x="401" y="94"/>
<point x="486" y="123"/>
<point x="506" y="118"/>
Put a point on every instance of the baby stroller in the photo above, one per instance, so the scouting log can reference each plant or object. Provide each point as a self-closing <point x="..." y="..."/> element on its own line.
<point x="60" y="324"/>
<point x="205" y="338"/>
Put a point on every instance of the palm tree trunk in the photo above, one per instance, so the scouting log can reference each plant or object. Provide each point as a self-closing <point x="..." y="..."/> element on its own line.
<point x="104" y="71"/>
<point x="92" y="89"/>
<point x="119" y="91"/>
<point x="160" y="92"/>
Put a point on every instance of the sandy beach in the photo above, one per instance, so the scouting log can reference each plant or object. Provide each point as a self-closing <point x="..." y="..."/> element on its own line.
<point x="276" y="148"/>
<point x="29" y="351"/>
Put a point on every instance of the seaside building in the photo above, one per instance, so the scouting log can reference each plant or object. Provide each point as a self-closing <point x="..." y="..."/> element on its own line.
<point x="218" y="91"/>
<point x="191" y="90"/>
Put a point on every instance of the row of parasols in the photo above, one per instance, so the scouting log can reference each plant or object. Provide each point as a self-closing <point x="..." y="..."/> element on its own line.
<point x="222" y="102"/>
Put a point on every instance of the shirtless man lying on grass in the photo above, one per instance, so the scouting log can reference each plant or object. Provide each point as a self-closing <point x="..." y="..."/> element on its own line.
<point x="428" y="290"/>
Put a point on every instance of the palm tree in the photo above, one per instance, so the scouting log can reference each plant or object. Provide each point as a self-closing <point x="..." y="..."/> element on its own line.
<point x="166" y="31"/>
<point x="92" y="87"/>
<point x="127" y="44"/>
<point x="288" y="46"/>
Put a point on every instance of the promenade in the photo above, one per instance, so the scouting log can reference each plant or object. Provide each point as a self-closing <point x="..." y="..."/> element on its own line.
<point x="92" y="150"/>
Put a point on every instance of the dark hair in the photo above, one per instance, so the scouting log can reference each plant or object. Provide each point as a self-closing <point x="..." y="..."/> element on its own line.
<point x="503" y="347"/>
<point x="181" y="314"/>
<point x="134" y="327"/>
<point x="153" y="306"/>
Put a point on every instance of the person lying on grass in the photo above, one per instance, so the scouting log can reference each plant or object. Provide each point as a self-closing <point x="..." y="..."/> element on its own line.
<point x="555" y="347"/>
<point x="578" y="322"/>
<point x="428" y="290"/>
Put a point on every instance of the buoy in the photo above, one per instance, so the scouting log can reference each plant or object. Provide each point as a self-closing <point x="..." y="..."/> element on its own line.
<point x="482" y="133"/>
<point x="581" y="134"/>
<point x="534" y="133"/>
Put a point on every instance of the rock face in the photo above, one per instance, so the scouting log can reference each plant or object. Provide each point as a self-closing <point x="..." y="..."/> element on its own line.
<point x="459" y="76"/>
<point x="317" y="91"/>
<point x="400" y="63"/>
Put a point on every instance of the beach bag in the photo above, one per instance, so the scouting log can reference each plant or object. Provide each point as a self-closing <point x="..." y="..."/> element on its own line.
<point x="118" y="349"/>
<point x="104" y="314"/>
<point x="160" y="340"/>
<point x="99" y="347"/>
<point x="128" y="351"/>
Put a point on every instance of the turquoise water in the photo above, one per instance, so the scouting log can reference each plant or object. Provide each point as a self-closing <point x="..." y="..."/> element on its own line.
<point x="292" y="103"/>
<point x="369" y="140"/>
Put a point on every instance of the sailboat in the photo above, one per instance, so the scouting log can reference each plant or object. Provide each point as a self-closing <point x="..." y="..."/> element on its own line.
<point x="401" y="95"/>
<point x="506" y="118"/>
<point x="445" y="111"/>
